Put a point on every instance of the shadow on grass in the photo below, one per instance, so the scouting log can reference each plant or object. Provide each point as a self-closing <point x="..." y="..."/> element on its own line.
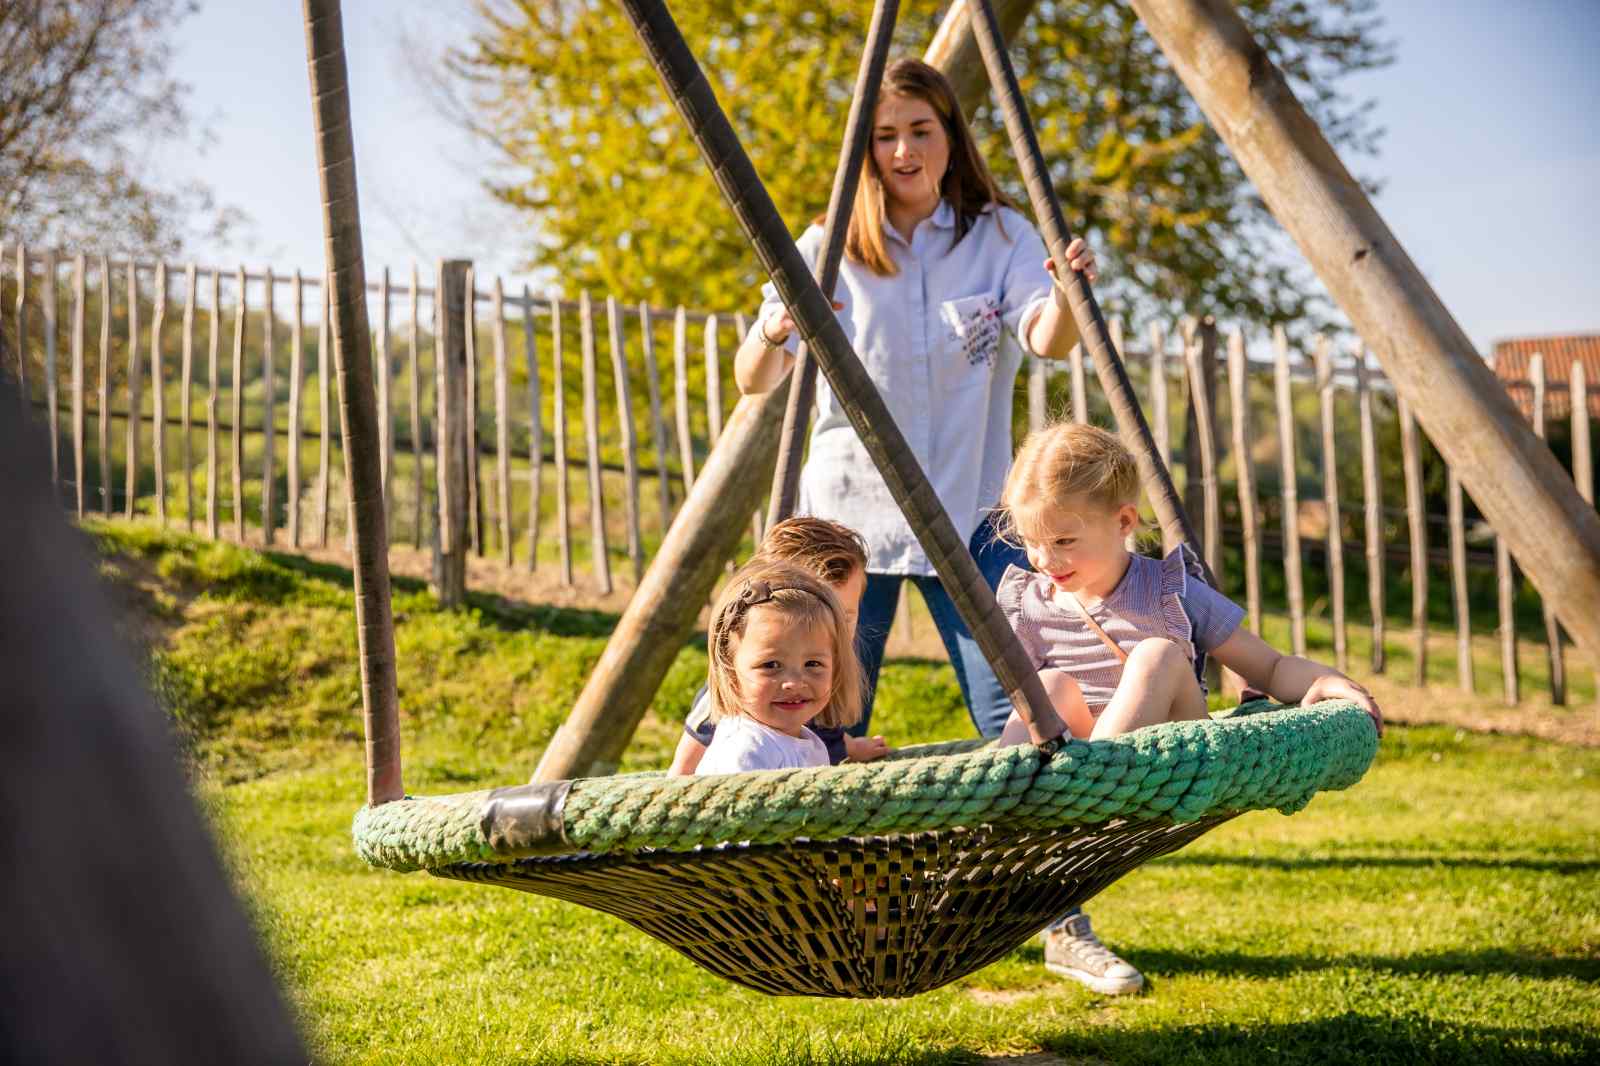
<point x="1492" y="961"/>
<point x="1347" y="1038"/>
<point x="1357" y="862"/>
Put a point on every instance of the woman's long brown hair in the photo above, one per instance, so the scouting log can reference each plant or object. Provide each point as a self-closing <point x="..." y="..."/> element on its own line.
<point x="966" y="185"/>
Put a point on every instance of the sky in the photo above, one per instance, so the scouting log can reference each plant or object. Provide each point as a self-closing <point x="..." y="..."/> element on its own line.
<point x="1490" y="165"/>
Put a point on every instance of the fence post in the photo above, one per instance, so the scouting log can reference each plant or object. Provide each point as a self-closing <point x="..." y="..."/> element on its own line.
<point x="1417" y="521"/>
<point x="535" y="430"/>
<point x="591" y="433"/>
<point x="135" y="390"/>
<point x="1200" y="445"/>
<point x="1458" y="582"/>
<point x="1506" y="589"/>
<point x="1372" y="508"/>
<point x="713" y="384"/>
<point x="158" y="392"/>
<point x="680" y="383"/>
<point x="1160" y="424"/>
<point x="187" y="392"/>
<point x="1244" y="462"/>
<point x="77" y="380"/>
<point x="469" y="333"/>
<point x="325" y="413"/>
<point x="211" y="403"/>
<point x="1289" y="491"/>
<point x="418" y="483"/>
<point x="658" y="425"/>
<point x="385" y="415"/>
<point x="1582" y="453"/>
<point x="296" y="372"/>
<point x="22" y="327"/>
<point x="47" y="294"/>
<point x="105" y="387"/>
<point x="1080" y="392"/>
<point x="1037" y="385"/>
<point x="240" y="310"/>
<point x="630" y="443"/>
<point x="559" y="397"/>
<point x="269" y="518"/>
<point x="502" y="423"/>
<point x="1330" y="501"/>
<point x="1552" y="627"/>
<point x="452" y="433"/>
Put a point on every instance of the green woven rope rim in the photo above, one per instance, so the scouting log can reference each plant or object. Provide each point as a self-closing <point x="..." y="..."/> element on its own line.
<point x="1256" y="758"/>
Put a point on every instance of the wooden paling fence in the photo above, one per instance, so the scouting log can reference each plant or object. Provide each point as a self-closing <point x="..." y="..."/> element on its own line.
<point x="1259" y="459"/>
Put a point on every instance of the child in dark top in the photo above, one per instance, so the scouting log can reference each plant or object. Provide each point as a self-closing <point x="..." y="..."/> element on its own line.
<point x="835" y="554"/>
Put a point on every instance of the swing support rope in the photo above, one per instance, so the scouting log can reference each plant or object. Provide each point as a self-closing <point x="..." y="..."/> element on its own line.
<point x="1096" y="337"/>
<point x="812" y="311"/>
<point x="852" y="153"/>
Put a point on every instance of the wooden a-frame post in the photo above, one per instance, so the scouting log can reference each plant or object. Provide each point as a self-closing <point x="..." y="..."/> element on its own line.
<point x="1511" y="475"/>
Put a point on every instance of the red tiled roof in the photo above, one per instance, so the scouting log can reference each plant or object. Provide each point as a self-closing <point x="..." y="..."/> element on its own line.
<point x="1510" y="362"/>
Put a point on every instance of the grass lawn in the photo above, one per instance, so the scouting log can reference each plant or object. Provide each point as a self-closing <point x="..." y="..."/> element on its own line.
<point x="1447" y="909"/>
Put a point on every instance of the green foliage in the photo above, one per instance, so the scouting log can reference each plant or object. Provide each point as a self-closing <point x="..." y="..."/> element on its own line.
<point x="618" y="199"/>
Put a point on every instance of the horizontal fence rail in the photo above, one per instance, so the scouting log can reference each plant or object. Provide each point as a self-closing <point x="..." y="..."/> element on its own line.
<point x="200" y="395"/>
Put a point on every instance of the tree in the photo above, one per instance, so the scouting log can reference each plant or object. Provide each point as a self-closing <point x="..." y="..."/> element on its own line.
<point x="87" y="89"/>
<point x="617" y="199"/>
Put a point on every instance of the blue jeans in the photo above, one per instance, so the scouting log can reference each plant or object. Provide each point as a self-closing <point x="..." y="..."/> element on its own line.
<point x="986" y="700"/>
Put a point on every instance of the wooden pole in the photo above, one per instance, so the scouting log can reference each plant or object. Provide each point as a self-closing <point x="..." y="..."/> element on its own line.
<point x="1582" y="448"/>
<point x="212" y="342"/>
<point x="1288" y="490"/>
<point x="1417" y="521"/>
<point x="186" y="452"/>
<point x="1372" y="509"/>
<point x="135" y="388"/>
<point x="630" y="444"/>
<point x="384" y="373"/>
<point x="106" y="501"/>
<point x="469" y="332"/>
<point x="680" y="371"/>
<point x="1330" y="501"/>
<point x="559" y="399"/>
<point x="848" y="380"/>
<point x="1552" y="628"/>
<point x="1161" y="426"/>
<point x="415" y="377"/>
<point x="1249" y="518"/>
<point x="158" y="393"/>
<point x="713" y="384"/>
<point x="954" y="48"/>
<point x="78" y="283"/>
<point x="341" y="230"/>
<point x="502" y="424"/>
<point x="452" y="433"/>
<point x="22" y="327"/>
<point x="1200" y="358"/>
<point x="1096" y="339"/>
<point x="535" y="430"/>
<point x="1080" y="393"/>
<point x="785" y="493"/>
<point x="658" y="425"/>
<point x="296" y="373"/>
<point x="240" y="311"/>
<point x="1517" y="483"/>
<point x="591" y="436"/>
<point x="269" y="390"/>
<point x="1458" y="583"/>
<point x="47" y="295"/>
<point x="666" y="607"/>
<point x="1037" y="385"/>
<point x="1506" y="595"/>
<point x="325" y="416"/>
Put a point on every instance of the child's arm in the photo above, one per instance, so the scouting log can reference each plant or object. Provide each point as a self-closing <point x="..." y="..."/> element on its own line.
<point x="1290" y="678"/>
<point x="687" y="757"/>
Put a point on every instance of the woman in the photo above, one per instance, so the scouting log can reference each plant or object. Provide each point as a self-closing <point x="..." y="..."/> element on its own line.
<point x="943" y="286"/>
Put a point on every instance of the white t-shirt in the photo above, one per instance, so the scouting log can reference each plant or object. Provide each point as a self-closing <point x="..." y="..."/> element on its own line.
<point x="745" y="744"/>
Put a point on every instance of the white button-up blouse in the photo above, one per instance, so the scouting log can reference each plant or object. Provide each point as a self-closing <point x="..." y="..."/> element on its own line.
<point x="943" y="341"/>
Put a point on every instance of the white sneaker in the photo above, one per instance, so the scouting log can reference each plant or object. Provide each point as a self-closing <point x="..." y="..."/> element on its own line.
<point x="1072" y="950"/>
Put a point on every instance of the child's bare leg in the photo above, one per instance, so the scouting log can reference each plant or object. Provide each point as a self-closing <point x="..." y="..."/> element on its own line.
<point x="1066" y="697"/>
<point x="1158" y="685"/>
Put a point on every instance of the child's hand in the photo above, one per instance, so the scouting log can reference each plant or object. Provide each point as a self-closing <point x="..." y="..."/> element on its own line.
<point x="1080" y="257"/>
<point x="1339" y="687"/>
<point x="776" y="327"/>
<point x="864" y="749"/>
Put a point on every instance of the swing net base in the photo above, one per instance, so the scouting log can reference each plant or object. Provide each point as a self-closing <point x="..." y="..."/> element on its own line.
<point x="881" y="879"/>
<point x="862" y="917"/>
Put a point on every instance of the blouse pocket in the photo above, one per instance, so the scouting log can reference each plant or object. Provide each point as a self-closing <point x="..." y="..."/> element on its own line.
<point x="973" y="327"/>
